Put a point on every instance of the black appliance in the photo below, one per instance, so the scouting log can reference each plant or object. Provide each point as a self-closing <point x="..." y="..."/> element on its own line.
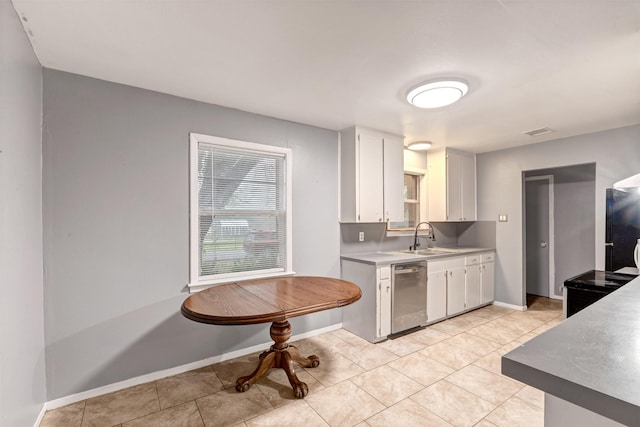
<point x="622" y="227"/>
<point x="587" y="288"/>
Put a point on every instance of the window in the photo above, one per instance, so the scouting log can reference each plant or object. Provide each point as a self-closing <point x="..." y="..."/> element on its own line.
<point x="412" y="208"/>
<point x="240" y="210"/>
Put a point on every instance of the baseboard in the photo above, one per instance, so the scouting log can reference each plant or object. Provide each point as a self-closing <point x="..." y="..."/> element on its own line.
<point x="40" y="415"/>
<point x="73" y="398"/>
<point x="511" y="306"/>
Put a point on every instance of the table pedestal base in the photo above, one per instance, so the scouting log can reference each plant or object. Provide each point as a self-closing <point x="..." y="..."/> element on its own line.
<point x="281" y="355"/>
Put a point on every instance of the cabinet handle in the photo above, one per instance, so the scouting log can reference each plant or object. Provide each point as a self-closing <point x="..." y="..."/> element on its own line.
<point x="379" y="219"/>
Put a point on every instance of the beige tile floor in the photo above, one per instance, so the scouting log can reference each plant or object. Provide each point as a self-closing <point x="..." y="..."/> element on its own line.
<point x="447" y="374"/>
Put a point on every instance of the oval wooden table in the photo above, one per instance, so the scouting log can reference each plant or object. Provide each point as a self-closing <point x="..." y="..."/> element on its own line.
<point x="271" y="300"/>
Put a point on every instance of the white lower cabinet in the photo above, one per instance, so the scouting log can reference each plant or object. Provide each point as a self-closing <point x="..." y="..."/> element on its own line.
<point x="455" y="291"/>
<point x="383" y="301"/>
<point x="459" y="283"/>
<point x="369" y="317"/>
<point x="436" y="295"/>
<point x="454" y="284"/>
<point x="472" y="281"/>
<point x="487" y="278"/>
<point x="451" y="272"/>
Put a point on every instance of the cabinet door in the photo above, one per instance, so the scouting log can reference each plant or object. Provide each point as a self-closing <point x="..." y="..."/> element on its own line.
<point x="393" y="180"/>
<point x="384" y="302"/>
<point x="454" y="186"/>
<point x="487" y="282"/>
<point x="437" y="185"/>
<point x="472" y="286"/>
<point x="436" y="296"/>
<point x="455" y="291"/>
<point x="468" y="187"/>
<point x="370" y="177"/>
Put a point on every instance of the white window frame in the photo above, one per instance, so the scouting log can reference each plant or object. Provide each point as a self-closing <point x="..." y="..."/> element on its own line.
<point x="196" y="283"/>
<point x="421" y="174"/>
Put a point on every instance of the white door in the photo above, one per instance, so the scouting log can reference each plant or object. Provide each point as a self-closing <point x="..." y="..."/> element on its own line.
<point x="393" y="176"/>
<point x="538" y="222"/>
<point x="487" y="282"/>
<point x="454" y="186"/>
<point x="436" y="296"/>
<point x="370" y="179"/>
<point x="468" y="164"/>
<point x="472" y="286"/>
<point x="455" y="291"/>
<point x="384" y="301"/>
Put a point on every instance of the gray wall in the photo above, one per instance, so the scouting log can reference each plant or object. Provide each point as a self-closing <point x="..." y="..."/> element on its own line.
<point x="116" y="227"/>
<point x="616" y="154"/>
<point x="22" y="377"/>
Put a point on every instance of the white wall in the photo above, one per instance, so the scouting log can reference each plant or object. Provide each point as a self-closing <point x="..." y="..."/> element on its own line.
<point x="616" y="154"/>
<point x="22" y="376"/>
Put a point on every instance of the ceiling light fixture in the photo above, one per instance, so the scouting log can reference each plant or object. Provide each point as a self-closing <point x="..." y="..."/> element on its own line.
<point x="437" y="94"/>
<point x="419" y="146"/>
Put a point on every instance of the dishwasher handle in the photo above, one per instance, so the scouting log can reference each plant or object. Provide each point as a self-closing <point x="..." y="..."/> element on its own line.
<point x="408" y="269"/>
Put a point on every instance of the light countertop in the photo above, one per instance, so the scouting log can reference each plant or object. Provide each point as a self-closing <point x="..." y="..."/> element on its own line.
<point x="591" y="359"/>
<point x="396" y="257"/>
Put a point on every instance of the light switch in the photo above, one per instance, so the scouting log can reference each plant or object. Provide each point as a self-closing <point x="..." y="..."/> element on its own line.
<point x="503" y="218"/>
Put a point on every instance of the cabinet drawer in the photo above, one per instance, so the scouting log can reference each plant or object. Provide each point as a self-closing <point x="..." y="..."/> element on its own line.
<point x="385" y="272"/>
<point x="472" y="259"/>
<point x="489" y="257"/>
<point x="445" y="264"/>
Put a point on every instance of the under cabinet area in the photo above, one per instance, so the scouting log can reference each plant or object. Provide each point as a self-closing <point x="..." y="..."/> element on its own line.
<point x="452" y="185"/>
<point x="371" y="176"/>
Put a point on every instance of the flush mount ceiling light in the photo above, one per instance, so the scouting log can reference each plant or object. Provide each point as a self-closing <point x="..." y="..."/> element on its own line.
<point x="419" y="146"/>
<point x="437" y="94"/>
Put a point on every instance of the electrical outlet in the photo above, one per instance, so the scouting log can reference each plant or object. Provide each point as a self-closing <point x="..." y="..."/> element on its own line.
<point x="361" y="236"/>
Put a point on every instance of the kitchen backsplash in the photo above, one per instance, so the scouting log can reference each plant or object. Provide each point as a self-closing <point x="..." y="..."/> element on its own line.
<point x="478" y="233"/>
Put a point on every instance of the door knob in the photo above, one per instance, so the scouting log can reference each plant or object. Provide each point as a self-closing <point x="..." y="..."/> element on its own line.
<point x="543" y="244"/>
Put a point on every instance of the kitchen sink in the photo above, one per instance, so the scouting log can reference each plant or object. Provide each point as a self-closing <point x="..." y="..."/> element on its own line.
<point x="431" y="251"/>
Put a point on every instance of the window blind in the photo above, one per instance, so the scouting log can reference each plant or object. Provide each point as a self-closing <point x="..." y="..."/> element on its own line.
<point x="241" y="211"/>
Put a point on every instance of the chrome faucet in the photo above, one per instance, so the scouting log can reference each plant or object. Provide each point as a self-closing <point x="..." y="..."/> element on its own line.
<point x="416" y="243"/>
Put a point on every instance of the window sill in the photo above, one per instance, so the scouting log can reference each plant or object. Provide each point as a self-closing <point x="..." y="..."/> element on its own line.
<point x="200" y="286"/>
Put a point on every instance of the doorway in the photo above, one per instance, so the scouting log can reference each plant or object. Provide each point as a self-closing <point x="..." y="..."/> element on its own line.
<point x="539" y="245"/>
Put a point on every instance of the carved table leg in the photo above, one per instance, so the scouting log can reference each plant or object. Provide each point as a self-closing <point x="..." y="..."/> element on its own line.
<point x="267" y="361"/>
<point x="307" y="362"/>
<point x="281" y="355"/>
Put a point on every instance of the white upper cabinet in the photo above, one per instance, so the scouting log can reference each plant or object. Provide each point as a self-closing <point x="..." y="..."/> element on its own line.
<point x="452" y="185"/>
<point x="371" y="176"/>
<point x="393" y="171"/>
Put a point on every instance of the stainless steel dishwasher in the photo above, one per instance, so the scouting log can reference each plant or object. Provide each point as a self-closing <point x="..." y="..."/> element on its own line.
<point x="409" y="296"/>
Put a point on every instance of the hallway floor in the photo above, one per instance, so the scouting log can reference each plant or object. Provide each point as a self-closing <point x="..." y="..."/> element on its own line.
<point x="447" y="374"/>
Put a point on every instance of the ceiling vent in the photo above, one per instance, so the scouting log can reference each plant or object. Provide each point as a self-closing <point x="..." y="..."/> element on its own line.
<point x="538" y="132"/>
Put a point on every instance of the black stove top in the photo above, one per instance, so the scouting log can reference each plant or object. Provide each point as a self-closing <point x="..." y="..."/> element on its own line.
<point x="597" y="279"/>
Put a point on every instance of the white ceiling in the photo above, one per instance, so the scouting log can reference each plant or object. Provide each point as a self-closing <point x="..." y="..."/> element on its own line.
<point x="573" y="66"/>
